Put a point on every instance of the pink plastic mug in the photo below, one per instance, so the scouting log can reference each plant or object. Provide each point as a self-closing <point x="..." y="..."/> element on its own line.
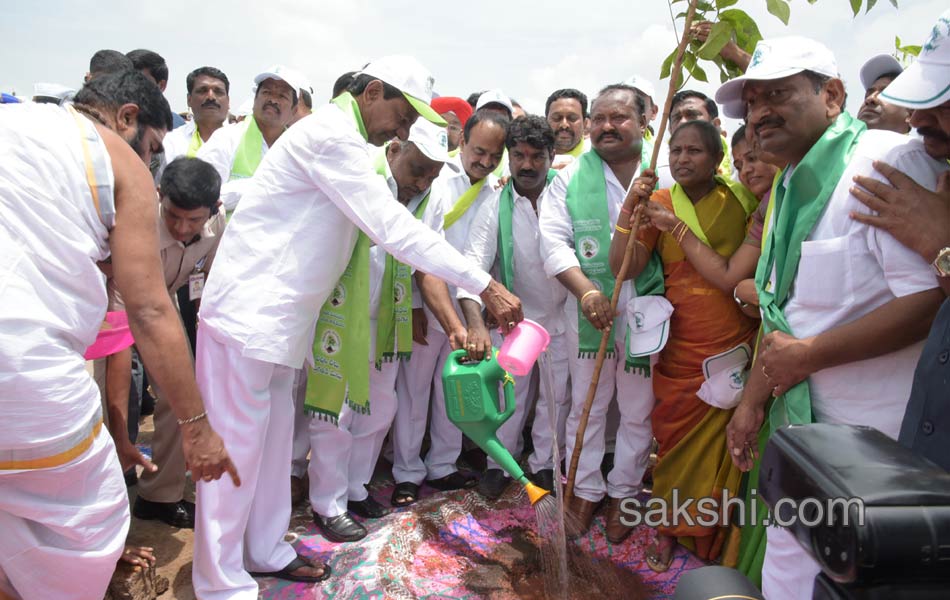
<point x="522" y="347"/>
<point x="110" y="341"/>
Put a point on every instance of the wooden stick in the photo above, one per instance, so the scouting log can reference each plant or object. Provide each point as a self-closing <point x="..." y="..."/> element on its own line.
<point x="628" y="256"/>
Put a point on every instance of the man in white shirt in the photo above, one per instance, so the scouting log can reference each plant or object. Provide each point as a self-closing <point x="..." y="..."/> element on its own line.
<point x="73" y="193"/>
<point x="505" y="239"/>
<point x="280" y="259"/>
<point x="208" y="99"/>
<point x="346" y="454"/>
<point x="566" y="112"/>
<point x="618" y="120"/>
<point x="237" y="150"/>
<point x="845" y="306"/>
<point x="483" y="142"/>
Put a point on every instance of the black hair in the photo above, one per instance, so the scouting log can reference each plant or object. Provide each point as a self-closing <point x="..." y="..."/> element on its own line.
<point x="569" y="93"/>
<point x="639" y="98"/>
<point x="342" y="82"/>
<point x="306" y="98"/>
<point x="708" y="133"/>
<point x="738" y="136"/>
<point x="110" y="91"/>
<point x="484" y="116"/>
<point x="359" y="83"/>
<point x="817" y="80"/>
<point x="191" y="183"/>
<point x="109" y="61"/>
<point x="473" y="98"/>
<point x="151" y="62"/>
<point x="532" y="130"/>
<point x="207" y="72"/>
<point x="708" y="102"/>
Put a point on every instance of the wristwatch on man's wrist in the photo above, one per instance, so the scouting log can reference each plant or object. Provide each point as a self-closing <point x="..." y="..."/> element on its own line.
<point x="941" y="264"/>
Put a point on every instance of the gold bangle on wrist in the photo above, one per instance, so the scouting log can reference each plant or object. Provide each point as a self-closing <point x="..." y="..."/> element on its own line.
<point x="193" y="419"/>
<point x="588" y="293"/>
<point x="622" y="229"/>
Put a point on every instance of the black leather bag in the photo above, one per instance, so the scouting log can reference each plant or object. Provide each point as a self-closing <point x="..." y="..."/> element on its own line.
<point x="904" y="500"/>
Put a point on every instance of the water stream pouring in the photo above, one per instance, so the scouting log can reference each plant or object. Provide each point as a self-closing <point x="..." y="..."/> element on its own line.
<point x="472" y="404"/>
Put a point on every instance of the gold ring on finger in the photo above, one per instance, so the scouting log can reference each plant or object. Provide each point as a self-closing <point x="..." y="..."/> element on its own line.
<point x="511" y="324"/>
<point x="593" y="313"/>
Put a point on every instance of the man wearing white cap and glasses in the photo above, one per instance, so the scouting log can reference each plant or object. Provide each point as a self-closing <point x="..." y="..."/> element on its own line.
<point x="236" y="151"/>
<point x="920" y="219"/>
<point x="876" y="74"/>
<point x="409" y="168"/>
<point x="299" y="228"/>
<point x="845" y="307"/>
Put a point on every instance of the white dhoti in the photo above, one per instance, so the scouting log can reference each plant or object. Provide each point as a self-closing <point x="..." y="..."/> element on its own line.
<point x="343" y="456"/>
<point x="788" y="572"/>
<point x="634" y="435"/>
<point x="62" y="529"/>
<point x="241" y="529"/>
<point x="418" y="377"/>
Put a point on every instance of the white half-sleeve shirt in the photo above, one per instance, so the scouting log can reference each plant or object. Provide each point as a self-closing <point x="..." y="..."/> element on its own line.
<point x="847" y="270"/>
<point x="219" y="150"/>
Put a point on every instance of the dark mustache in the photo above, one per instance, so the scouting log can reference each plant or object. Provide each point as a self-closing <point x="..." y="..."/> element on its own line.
<point x="272" y="104"/>
<point x="208" y="103"/>
<point x="527" y="173"/>
<point x="934" y="133"/>
<point x="774" y="121"/>
<point x="604" y="136"/>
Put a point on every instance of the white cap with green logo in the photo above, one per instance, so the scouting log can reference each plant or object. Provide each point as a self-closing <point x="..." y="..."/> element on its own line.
<point x="411" y="78"/>
<point x="926" y="83"/>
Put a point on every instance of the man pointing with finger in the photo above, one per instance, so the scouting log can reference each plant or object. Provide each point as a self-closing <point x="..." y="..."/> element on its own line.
<point x="288" y="250"/>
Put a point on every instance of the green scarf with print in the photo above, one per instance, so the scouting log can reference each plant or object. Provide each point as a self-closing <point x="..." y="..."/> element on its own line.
<point x="796" y="209"/>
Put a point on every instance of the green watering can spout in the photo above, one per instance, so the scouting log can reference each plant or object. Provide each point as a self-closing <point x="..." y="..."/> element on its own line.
<point x="472" y="404"/>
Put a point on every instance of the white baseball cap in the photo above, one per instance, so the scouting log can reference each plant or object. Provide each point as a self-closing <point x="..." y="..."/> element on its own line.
<point x="411" y="78"/>
<point x="431" y="139"/>
<point x="494" y="97"/>
<point x="926" y="83"/>
<point x="877" y="66"/>
<point x="53" y="90"/>
<point x="289" y="76"/>
<point x="648" y="319"/>
<point x="776" y="58"/>
<point x="643" y="84"/>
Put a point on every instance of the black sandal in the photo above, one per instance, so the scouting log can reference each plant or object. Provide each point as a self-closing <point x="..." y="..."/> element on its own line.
<point x="452" y="481"/>
<point x="405" y="494"/>
<point x="287" y="573"/>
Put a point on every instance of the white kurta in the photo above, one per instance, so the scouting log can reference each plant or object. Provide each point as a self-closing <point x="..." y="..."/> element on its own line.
<point x="220" y="150"/>
<point x="422" y="374"/>
<point x="280" y="257"/>
<point x="634" y="392"/>
<point x="847" y="270"/>
<point x="542" y="300"/>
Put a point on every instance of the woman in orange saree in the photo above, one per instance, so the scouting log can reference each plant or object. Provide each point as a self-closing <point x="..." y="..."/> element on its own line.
<point x="691" y="434"/>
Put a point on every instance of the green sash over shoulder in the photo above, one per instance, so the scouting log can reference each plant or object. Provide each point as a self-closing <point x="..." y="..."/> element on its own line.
<point x="587" y="204"/>
<point x="341" y="343"/>
<point x="506" y="240"/>
<point x="464" y="203"/>
<point x="394" y="321"/>
<point x="249" y="151"/>
<point x="796" y="209"/>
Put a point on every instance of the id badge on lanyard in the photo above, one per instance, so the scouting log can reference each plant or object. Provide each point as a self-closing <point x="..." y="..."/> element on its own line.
<point x="196" y="281"/>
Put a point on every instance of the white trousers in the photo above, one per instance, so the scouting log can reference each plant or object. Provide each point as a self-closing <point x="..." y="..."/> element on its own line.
<point x="554" y="374"/>
<point x="240" y="529"/>
<point x="634" y="435"/>
<point x="418" y="377"/>
<point x="542" y="433"/>
<point x="788" y="572"/>
<point x="63" y="529"/>
<point x="343" y="456"/>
